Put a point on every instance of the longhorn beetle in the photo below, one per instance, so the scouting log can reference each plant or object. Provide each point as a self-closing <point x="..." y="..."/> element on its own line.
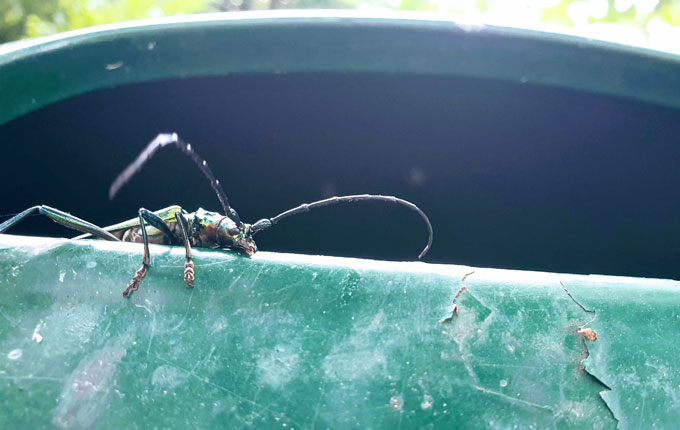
<point x="201" y="229"/>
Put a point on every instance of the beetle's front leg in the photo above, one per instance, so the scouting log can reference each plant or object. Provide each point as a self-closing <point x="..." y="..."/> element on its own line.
<point x="133" y="285"/>
<point x="156" y="221"/>
<point x="189" y="265"/>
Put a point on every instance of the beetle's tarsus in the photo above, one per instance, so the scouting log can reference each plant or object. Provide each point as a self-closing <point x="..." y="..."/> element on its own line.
<point x="133" y="285"/>
<point x="189" y="275"/>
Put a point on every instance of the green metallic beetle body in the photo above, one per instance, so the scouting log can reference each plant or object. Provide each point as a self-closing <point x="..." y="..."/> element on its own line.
<point x="200" y="229"/>
<point x="206" y="230"/>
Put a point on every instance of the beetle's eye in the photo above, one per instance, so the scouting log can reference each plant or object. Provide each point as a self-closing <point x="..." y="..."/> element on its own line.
<point x="233" y="231"/>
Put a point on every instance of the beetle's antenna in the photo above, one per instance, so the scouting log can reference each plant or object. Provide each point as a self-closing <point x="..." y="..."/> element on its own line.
<point x="306" y="207"/>
<point x="159" y="142"/>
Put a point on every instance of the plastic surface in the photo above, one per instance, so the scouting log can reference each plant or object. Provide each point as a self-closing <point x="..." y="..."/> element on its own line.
<point x="37" y="73"/>
<point x="309" y="342"/>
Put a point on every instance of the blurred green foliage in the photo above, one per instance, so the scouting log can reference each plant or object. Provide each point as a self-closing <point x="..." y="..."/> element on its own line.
<point x="627" y="21"/>
<point x="31" y="18"/>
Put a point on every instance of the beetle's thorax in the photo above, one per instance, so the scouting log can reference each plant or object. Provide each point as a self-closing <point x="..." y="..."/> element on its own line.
<point x="214" y="230"/>
<point x="204" y="229"/>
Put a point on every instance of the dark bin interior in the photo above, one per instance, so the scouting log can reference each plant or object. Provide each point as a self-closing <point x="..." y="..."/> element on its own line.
<point x="512" y="175"/>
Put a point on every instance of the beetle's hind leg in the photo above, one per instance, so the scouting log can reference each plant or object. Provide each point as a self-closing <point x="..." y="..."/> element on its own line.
<point x="189" y="265"/>
<point x="156" y="221"/>
<point x="63" y="218"/>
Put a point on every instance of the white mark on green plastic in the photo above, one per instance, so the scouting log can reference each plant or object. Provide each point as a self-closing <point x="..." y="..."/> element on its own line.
<point x="397" y="402"/>
<point x="427" y="402"/>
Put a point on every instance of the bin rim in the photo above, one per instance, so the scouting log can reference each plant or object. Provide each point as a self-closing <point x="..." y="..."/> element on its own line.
<point x="64" y="65"/>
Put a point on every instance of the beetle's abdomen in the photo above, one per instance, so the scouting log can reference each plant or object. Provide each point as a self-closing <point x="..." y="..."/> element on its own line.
<point x="154" y="235"/>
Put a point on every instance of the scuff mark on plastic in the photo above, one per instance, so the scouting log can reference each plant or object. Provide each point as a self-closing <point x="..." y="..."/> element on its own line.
<point x="470" y="325"/>
<point x="349" y="286"/>
<point x="466" y="326"/>
<point x="360" y="355"/>
<point x="278" y="366"/>
<point x="575" y="301"/>
<point x="37" y="336"/>
<point x="114" y="66"/>
<point x="86" y="392"/>
<point x="512" y="399"/>
<point x="454" y="311"/>
<point x="153" y="321"/>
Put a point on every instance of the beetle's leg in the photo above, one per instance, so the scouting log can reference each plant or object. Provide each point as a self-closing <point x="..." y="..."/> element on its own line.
<point x="133" y="285"/>
<point x="62" y="218"/>
<point x="156" y="221"/>
<point x="189" y="265"/>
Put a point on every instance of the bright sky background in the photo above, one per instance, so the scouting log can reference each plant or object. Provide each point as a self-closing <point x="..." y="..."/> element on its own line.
<point x="648" y="23"/>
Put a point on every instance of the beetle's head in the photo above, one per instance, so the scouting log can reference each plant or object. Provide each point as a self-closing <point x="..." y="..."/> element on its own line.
<point x="236" y="236"/>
